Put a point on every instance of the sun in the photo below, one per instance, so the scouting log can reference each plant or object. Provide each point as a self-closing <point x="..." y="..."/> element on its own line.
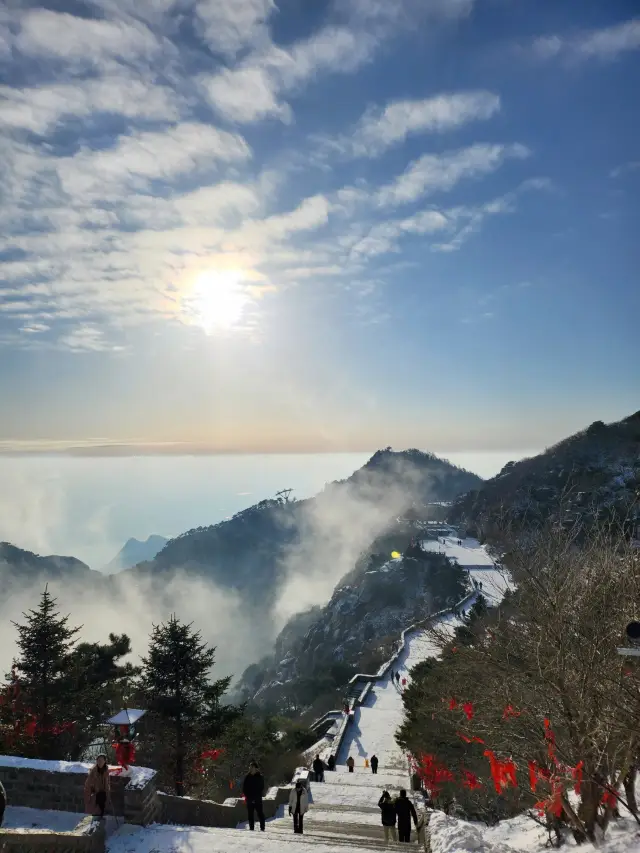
<point x="218" y="299"/>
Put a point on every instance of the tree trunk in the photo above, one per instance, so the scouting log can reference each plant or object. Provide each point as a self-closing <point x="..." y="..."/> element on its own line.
<point x="629" y="783"/>
<point x="588" y="808"/>
<point x="179" y="758"/>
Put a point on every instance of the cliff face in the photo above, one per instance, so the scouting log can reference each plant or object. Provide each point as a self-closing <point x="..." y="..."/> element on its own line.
<point x="590" y="477"/>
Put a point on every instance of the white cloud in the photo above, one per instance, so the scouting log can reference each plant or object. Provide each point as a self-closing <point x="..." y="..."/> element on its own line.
<point x="246" y="94"/>
<point x="437" y="172"/>
<point x="252" y="90"/>
<point x="84" y="338"/>
<point x="230" y="25"/>
<point x="163" y="155"/>
<point x="404" y="11"/>
<point x="605" y="44"/>
<point x="41" y="109"/>
<point x="85" y="41"/>
<point x="380" y="129"/>
<point x="625" y="168"/>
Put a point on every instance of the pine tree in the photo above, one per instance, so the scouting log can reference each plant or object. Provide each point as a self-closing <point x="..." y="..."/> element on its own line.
<point x="178" y="690"/>
<point x="45" y="642"/>
<point x="100" y="686"/>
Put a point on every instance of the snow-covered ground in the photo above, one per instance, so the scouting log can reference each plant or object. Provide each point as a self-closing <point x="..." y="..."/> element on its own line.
<point x="522" y="835"/>
<point x="19" y="817"/>
<point x="375" y="723"/>
<point x="473" y="557"/>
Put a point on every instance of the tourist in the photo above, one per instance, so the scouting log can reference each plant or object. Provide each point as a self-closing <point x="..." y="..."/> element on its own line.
<point x="331" y="763"/>
<point x="318" y="768"/>
<point x="298" y="806"/>
<point x="374" y="763"/>
<point x="97" y="788"/>
<point x="351" y="763"/>
<point x="388" y="810"/>
<point x="253" y="789"/>
<point x="405" y="810"/>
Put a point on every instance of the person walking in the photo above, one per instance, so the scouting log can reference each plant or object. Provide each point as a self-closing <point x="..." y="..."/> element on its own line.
<point x="97" y="788"/>
<point x="351" y="763"/>
<point x="318" y="768"/>
<point x="3" y="802"/>
<point x="298" y="806"/>
<point x="253" y="789"/>
<point x="374" y="763"/>
<point x="388" y="814"/>
<point x="397" y="678"/>
<point x="331" y="763"/>
<point x="405" y="811"/>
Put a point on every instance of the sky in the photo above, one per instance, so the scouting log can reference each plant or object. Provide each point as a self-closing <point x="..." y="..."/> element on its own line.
<point x="303" y="225"/>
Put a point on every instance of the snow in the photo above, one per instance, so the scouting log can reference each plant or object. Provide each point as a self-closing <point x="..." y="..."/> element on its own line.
<point x="382" y="713"/>
<point x="522" y="835"/>
<point x="470" y="554"/>
<point x="473" y="557"/>
<point x="183" y="839"/>
<point x="138" y="776"/>
<point x="19" y="817"/>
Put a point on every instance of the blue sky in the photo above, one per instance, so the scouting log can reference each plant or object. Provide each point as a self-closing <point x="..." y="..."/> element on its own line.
<point x="330" y="224"/>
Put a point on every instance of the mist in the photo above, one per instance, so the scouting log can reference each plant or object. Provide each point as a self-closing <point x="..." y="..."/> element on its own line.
<point x="37" y="510"/>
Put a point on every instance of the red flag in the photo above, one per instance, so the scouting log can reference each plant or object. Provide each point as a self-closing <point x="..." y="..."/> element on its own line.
<point x="469" y="739"/>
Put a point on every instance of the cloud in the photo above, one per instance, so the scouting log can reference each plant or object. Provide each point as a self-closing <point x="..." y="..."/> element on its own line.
<point x="84" y="41"/>
<point x="85" y="338"/>
<point x="163" y="155"/>
<point x="380" y="129"/>
<point x="439" y="172"/>
<point x="252" y="90"/>
<point x="468" y="220"/>
<point x="625" y="168"/>
<point x="230" y="25"/>
<point x="40" y="109"/>
<point x="604" y="44"/>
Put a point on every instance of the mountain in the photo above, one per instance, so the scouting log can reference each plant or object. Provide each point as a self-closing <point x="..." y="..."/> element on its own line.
<point x="591" y="476"/>
<point x="133" y="552"/>
<point x="261" y="544"/>
<point x="319" y="650"/>
<point x="24" y="568"/>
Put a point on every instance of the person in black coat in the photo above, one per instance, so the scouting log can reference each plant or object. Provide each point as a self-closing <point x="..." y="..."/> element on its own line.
<point x="331" y="763"/>
<point x="405" y="811"/>
<point x="388" y="809"/>
<point x="253" y="789"/>
<point x="318" y="768"/>
<point x="374" y="763"/>
<point x="3" y="802"/>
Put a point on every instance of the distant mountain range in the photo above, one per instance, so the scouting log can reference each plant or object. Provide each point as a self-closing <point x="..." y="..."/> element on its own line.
<point x="135" y="551"/>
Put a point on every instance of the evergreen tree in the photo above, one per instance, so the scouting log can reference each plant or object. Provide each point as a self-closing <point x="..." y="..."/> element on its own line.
<point x="178" y="690"/>
<point x="45" y="642"/>
<point x="100" y="685"/>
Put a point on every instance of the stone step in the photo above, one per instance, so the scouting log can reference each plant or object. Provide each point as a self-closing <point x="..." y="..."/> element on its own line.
<point x="336" y="839"/>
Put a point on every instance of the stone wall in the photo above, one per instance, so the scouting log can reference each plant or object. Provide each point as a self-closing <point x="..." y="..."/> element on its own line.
<point x="87" y="837"/>
<point x="63" y="791"/>
<point x="188" y="812"/>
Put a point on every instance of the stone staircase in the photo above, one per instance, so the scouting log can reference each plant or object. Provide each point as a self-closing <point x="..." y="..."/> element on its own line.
<point x="344" y="810"/>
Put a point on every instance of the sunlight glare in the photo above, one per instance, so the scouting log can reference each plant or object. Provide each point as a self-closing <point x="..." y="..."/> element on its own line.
<point x="219" y="299"/>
